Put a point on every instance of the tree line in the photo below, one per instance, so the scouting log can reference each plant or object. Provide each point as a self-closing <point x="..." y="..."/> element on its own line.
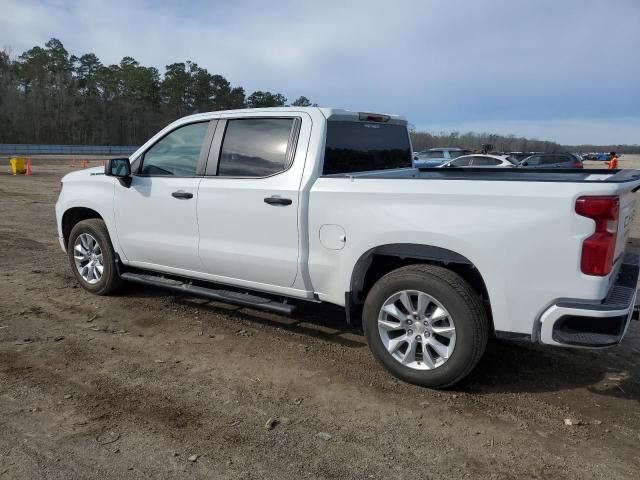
<point x="474" y="141"/>
<point x="506" y="143"/>
<point x="48" y="96"/>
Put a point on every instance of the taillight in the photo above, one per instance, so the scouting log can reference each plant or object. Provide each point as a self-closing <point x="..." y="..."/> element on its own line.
<point x="599" y="248"/>
<point x="576" y="165"/>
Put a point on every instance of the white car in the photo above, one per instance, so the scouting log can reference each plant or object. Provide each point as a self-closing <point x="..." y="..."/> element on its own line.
<point x="322" y="205"/>
<point x="434" y="157"/>
<point x="480" y="160"/>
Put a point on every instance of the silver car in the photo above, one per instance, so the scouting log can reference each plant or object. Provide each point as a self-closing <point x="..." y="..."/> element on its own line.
<point x="481" y="160"/>
<point x="434" y="157"/>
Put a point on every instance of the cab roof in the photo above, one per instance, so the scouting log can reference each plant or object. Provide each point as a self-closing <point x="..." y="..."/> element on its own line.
<point x="330" y="113"/>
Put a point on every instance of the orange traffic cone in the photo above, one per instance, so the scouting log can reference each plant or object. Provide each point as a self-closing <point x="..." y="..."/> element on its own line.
<point x="28" y="167"/>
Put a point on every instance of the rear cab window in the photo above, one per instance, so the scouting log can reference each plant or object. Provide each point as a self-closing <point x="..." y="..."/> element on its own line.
<point x="356" y="146"/>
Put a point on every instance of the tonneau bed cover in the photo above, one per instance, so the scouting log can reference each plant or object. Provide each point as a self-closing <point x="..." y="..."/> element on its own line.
<point x="572" y="175"/>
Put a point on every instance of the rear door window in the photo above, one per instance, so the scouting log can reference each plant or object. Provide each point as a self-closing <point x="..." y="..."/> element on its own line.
<point x="255" y="147"/>
<point x="363" y="146"/>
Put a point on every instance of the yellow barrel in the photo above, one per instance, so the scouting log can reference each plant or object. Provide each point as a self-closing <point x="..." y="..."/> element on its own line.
<point x="18" y="165"/>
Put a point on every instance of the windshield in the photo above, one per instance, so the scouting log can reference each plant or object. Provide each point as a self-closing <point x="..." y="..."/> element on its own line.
<point x="365" y="146"/>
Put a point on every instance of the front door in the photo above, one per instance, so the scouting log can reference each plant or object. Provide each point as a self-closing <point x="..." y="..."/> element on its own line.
<point x="156" y="216"/>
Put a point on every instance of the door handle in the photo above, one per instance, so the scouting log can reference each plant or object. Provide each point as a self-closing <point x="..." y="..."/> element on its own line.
<point x="181" y="194"/>
<point x="275" y="200"/>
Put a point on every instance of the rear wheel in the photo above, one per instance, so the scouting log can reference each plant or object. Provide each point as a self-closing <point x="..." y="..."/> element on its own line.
<point x="425" y="325"/>
<point x="92" y="258"/>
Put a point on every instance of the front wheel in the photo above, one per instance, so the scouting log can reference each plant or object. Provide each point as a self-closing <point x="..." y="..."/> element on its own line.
<point x="92" y="258"/>
<point x="425" y="325"/>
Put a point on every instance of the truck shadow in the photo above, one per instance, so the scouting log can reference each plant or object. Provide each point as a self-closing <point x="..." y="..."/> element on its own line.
<point x="509" y="367"/>
<point x="323" y="321"/>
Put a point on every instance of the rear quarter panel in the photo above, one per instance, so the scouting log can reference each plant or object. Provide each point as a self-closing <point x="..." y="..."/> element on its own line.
<point x="523" y="237"/>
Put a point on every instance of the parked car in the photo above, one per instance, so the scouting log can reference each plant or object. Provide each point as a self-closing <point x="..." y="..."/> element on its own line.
<point x="519" y="156"/>
<point x="552" y="160"/>
<point x="480" y="160"/>
<point x="434" y="157"/>
<point x="225" y="203"/>
<point x="602" y="157"/>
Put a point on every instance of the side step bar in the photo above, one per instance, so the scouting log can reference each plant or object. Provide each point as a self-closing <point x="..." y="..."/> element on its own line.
<point x="219" y="295"/>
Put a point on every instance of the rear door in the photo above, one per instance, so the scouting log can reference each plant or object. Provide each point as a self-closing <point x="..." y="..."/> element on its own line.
<point x="248" y="200"/>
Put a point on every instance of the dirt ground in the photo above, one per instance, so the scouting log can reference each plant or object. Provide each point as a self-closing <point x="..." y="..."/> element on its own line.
<point x="148" y="384"/>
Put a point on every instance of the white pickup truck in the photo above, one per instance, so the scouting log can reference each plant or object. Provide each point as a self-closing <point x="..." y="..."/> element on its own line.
<point x="270" y="207"/>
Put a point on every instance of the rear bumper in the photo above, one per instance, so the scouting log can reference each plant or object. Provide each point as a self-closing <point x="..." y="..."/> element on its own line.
<point x="580" y="323"/>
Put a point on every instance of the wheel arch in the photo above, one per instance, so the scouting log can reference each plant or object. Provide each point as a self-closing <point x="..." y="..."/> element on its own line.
<point x="378" y="261"/>
<point x="72" y="216"/>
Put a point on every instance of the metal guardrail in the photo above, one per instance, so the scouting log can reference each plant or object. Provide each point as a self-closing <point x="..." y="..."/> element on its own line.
<point x="24" y="149"/>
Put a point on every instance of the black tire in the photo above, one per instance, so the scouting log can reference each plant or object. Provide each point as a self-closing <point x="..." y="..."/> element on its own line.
<point x="110" y="280"/>
<point x="457" y="297"/>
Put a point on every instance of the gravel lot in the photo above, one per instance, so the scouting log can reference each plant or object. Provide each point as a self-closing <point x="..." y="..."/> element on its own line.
<point x="153" y="385"/>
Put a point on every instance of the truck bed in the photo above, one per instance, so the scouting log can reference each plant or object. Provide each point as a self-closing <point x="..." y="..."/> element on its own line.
<point x="571" y="175"/>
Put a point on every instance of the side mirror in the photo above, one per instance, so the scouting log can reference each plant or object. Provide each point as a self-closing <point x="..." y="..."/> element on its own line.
<point x="524" y="164"/>
<point x="119" y="168"/>
<point x="415" y="157"/>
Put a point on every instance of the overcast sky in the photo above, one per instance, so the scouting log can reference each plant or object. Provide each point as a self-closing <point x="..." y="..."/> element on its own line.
<point x="564" y="70"/>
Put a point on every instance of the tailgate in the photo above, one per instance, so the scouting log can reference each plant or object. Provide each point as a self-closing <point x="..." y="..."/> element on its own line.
<point x="627" y="213"/>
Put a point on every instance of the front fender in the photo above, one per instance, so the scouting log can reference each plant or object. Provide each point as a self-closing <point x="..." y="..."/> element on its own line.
<point x="92" y="192"/>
